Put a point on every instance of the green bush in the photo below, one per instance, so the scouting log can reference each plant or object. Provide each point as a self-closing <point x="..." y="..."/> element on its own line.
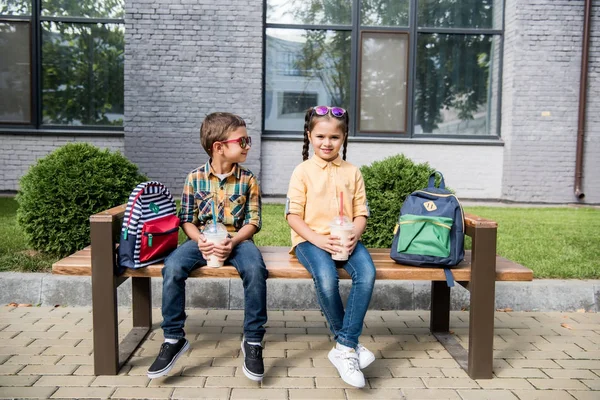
<point x="388" y="183"/>
<point x="60" y="192"/>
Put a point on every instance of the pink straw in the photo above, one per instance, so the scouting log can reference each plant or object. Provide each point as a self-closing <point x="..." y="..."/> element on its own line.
<point x="341" y="208"/>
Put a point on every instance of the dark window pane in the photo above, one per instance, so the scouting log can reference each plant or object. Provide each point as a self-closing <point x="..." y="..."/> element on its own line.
<point x="460" y="14"/>
<point x="313" y="63"/>
<point x="15" y="70"/>
<point x="313" y="12"/>
<point x="83" y="8"/>
<point x="456" y="85"/>
<point x="383" y="75"/>
<point x="82" y="74"/>
<point x="15" y="7"/>
<point x="384" y="12"/>
<point x="298" y="103"/>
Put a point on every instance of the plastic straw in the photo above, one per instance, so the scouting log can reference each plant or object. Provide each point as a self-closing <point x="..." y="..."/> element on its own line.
<point x="341" y="208"/>
<point x="214" y="213"/>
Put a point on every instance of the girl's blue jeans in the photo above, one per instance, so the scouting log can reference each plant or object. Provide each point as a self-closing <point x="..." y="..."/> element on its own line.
<point x="347" y="325"/>
<point x="248" y="261"/>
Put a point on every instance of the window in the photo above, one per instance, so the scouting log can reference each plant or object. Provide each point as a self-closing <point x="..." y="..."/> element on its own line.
<point x="403" y="68"/>
<point x="62" y="63"/>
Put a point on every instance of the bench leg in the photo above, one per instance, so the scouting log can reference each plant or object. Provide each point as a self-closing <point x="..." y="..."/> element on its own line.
<point x="104" y="300"/>
<point x="142" y="317"/>
<point x="141" y="302"/>
<point x="440" y="307"/>
<point x="482" y="307"/>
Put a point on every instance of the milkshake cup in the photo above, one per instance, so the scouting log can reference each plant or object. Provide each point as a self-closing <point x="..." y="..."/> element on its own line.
<point x="341" y="228"/>
<point x="214" y="234"/>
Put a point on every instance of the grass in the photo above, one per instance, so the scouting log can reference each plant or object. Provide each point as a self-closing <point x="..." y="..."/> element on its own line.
<point x="553" y="242"/>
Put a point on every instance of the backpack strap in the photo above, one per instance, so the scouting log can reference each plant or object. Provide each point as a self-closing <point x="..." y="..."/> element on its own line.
<point x="137" y="196"/>
<point x="449" y="277"/>
<point x="432" y="180"/>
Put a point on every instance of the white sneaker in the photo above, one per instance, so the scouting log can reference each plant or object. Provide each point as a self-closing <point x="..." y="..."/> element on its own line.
<point x="346" y="363"/>
<point x="365" y="357"/>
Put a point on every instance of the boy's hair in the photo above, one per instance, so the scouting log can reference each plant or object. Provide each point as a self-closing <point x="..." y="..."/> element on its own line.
<point x="216" y="128"/>
<point x="310" y="120"/>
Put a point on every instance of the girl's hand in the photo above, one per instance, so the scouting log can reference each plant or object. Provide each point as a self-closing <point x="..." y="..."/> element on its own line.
<point x="329" y="243"/>
<point x="352" y="242"/>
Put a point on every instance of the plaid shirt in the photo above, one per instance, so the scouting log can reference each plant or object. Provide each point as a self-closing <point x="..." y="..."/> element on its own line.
<point x="236" y="197"/>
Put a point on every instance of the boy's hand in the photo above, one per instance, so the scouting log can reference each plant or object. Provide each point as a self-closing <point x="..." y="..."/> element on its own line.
<point x="223" y="250"/>
<point x="205" y="247"/>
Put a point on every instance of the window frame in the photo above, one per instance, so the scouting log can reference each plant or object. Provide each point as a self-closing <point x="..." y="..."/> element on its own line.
<point x="412" y="30"/>
<point x="36" y="125"/>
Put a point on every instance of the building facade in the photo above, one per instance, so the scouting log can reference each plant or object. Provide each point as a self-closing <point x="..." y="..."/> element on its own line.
<point x="487" y="93"/>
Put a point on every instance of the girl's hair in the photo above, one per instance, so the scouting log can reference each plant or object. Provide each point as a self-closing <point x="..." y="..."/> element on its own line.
<point x="216" y="128"/>
<point x="311" y="119"/>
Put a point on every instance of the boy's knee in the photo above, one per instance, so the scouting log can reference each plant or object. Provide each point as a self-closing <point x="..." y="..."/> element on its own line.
<point x="255" y="275"/>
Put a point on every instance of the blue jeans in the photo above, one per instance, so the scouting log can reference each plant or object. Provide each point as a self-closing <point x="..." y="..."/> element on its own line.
<point x="346" y="326"/>
<point x="248" y="261"/>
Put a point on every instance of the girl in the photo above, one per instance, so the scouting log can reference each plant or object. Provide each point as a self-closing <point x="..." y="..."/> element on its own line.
<point x="318" y="188"/>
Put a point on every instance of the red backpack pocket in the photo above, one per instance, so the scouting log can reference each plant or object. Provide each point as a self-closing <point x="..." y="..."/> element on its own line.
<point x="159" y="237"/>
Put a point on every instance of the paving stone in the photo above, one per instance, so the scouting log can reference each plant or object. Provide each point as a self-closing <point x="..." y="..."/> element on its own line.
<point x="579" y="364"/>
<point x="16" y="380"/>
<point x="543" y="395"/>
<point x="26" y="392"/>
<point x="178" y="381"/>
<point x="558" y="383"/>
<point x="235" y="382"/>
<point x="505" y="383"/>
<point x="118" y="380"/>
<point x="48" y="370"/>
<point x="142" y="393"/>
<point x="290" y="383"/>
<point x="377" y="383"/>
<point x="484" y="394"/>
<point x="243" y="394"/>
<point x="415" y="372"/>
<point x="579" y="395"/>
<point x="83" y="393"/>
<point x="24" y="360"/>
<point x="521" y="372"/>
<point x="201" y="393"/>
<point x="593" y="384"/>
<point x="66" y="380"/>
<point x="312" y="394"/>
<point x="433" y="394"/>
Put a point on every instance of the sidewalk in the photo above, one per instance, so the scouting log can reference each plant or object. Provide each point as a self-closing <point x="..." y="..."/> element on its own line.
<point x="46" y="353"/>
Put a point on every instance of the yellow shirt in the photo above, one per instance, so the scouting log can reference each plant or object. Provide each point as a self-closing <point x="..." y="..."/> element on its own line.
<point x="314" y="194"/>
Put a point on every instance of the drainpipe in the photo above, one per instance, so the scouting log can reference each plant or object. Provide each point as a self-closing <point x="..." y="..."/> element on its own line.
<point x="582" y="100"/>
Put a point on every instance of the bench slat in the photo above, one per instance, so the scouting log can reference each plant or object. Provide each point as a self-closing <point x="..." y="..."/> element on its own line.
<point x="282" y="265"/>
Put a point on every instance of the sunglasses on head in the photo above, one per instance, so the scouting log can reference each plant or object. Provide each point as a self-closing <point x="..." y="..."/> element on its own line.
<point x="337" y="112"/>
<point x="244" y="141"/>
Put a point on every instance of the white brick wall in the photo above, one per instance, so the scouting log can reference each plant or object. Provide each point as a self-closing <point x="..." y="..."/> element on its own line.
<point x="19" y="152"/>
<point x="183" y="60"/>
<point x="542" y="58"/>
<point x="473" y="171"/>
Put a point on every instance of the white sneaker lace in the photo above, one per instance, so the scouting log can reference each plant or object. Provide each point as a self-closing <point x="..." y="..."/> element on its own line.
<point x="351" y="360"/>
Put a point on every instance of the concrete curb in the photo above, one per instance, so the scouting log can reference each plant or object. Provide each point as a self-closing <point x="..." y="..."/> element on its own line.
<point x="299" y="294"/>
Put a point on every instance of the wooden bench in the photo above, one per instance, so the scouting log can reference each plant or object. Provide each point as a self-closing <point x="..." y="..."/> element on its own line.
<point x="478" y="273"/>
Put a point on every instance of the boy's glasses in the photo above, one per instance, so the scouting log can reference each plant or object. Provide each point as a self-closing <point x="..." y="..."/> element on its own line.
<point x="244" y="141"/>
<point x="337" y="112"/>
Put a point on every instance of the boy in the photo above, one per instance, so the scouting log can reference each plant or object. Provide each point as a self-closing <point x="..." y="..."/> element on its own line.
<point x="236" y="196"/>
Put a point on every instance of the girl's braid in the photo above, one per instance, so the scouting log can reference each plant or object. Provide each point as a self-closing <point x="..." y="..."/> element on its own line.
<point x="306" y="141"/>
<point x="345" y="145"/>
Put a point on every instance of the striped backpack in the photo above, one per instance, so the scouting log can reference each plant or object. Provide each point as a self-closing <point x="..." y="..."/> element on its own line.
<point x="150" y="226"/>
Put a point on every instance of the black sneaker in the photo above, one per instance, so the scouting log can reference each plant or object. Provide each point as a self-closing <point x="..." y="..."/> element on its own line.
<point x="254" y="368"/>
<point x="168" y="354"/>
